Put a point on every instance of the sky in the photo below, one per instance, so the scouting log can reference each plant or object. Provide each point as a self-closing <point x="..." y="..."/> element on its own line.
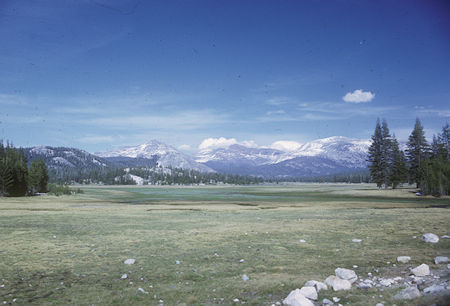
<point x="98" y="74"/>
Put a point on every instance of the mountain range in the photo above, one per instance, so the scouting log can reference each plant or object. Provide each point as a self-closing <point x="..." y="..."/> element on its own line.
<point x="316" y="158"/>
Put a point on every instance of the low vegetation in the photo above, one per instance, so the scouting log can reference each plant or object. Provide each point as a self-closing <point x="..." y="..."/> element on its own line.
<point x="192" y="245"/>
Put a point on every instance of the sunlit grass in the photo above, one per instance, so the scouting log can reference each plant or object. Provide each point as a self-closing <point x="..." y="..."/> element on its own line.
<point x="71" y="249"/>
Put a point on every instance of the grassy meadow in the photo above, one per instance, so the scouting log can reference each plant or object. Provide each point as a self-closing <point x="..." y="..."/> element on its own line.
<point x="71" y="249"/>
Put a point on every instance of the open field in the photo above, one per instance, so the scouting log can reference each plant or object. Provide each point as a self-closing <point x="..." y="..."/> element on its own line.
<point x="70" y="249"/>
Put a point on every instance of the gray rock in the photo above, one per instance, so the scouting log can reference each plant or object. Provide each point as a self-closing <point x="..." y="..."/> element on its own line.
<point x="295" y="298"/>
<point x="434" y="289"/>
<point x="403" y="259"/>
<point x="327" y="302"/>
<point x="336" y="299"/>
<point x="318" y="285"/>
<point x="337" y="283"/>
<point x="129" y="261"/>
<point x="142" y="290"/>
<point x="309" y="292"/>
<point x="124" y="276"/>
<point x="441" y="259"/>
<point x="445" y="237"/>
<point x="422" y="270"/>
<point x="379" y="304"/>
<point x="364" y="285"/>
<point x="430" y="237"/>
<point x="245" y="277"/>
<point x="387" y="282"/>
<point x="409" y="293"/>
<point x="356" y="240"/>
<point x="346" y="274"/>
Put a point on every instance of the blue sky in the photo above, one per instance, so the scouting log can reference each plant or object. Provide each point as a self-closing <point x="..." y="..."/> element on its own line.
<point x="97" y="74"/>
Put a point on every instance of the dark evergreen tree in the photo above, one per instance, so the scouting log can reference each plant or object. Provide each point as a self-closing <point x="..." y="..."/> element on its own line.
<point x="399" y="172"/>
<point x="377" y="165"/>
<point x="387" y="158"/>
<point x="417" y="151"/>
<point x="37" y="177"/>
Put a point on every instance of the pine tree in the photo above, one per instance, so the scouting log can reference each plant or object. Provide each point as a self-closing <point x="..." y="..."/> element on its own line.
<point x="387" y="158"/>
<point x="375" y="158"/>
<point x="399" y="172"/>
<point x="37" y="176"/>
<point x="417" y="151"/>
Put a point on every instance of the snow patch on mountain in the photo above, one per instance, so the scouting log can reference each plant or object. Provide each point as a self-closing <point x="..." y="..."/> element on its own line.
<point x="166" y="156"/>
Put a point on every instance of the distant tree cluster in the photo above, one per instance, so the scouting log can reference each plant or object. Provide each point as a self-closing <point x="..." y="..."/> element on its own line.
<point x="16" y="179"/>
<point x="177" y="176"/>
<point x="427" y="167"/>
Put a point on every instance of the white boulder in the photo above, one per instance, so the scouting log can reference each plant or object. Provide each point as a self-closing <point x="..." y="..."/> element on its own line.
<point x="309" y="292"/>
<point x="318" y="285"/>
<point x="129" y="261"/>
<point x="441" y="260"/>
<point x="337" y="283"/>
<point x="403" y="259"/>
<point x="434" y="289"/>
<point x="356" y="240"/>
<point x="422" y="270"/>
<point x="409" y="293"/>
<point x="346" y="274"/>
<point x="295" y="298"/>
<point x="430" y="237"/>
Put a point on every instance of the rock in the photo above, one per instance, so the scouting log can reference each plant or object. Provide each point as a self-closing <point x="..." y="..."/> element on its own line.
<point x="129" y="261"/>
<point x="445" y="237"/>
<point x="142" y="290"/>
<point x="422" y="270"/>
<point x="245" y="277"/>
<point x="441" y="260"/>
<point x="241" y="261"/>
<point x="295" y="298"/>
<point x="408" y="294"/>
<point x="356" y="240"/>
<point x="309" y="292"/>
<point x="364" y="285"/>
<point x="236" y="300"/>
<point x="434" y="289"/>
<point x="387" y="282"/>
<point x="321" y="286"/>
<point x="379" y="304"/>
<point x="302" y="241"/>
<point x="318" y="285"/>
<point x="177" y="262"/>
<point x="346" y="274"/>
<point x="124" y="276"/>
<point x="430" y="237"/>
<point x="336" y="299"/>
<point x="327" y="302"/>
<point x="337" y="283"/>
<point x="403" y="259"/>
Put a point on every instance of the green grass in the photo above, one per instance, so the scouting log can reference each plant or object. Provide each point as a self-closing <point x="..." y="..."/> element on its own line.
<point x="209" y="229"/>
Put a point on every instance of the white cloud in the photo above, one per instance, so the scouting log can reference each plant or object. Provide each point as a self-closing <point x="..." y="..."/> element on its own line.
<point x="358" y="96"/>
<point x="222" y="142"/>
<point x="285" y="145"/>
<point x="277" y="101"/>
<point x="185" y="147"/>
<point x="277" y="112"/>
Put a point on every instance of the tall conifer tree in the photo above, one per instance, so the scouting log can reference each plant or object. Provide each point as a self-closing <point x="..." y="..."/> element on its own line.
<point x="375" y="157"/>
<point x="417" y="151"/>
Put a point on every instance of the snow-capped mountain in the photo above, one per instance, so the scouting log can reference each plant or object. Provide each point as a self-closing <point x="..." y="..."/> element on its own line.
<point x="319" y="157"/>
<point x="62" y="157"/>
<point x="163" y="154"/>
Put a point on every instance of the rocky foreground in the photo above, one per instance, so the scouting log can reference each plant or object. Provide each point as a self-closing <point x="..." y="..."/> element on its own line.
<point x="411" y="282"/>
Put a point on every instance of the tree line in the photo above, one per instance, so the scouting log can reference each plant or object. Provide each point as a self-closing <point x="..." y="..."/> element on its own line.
<point x="16" y="178"/>
<point x="427" y="166"/>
